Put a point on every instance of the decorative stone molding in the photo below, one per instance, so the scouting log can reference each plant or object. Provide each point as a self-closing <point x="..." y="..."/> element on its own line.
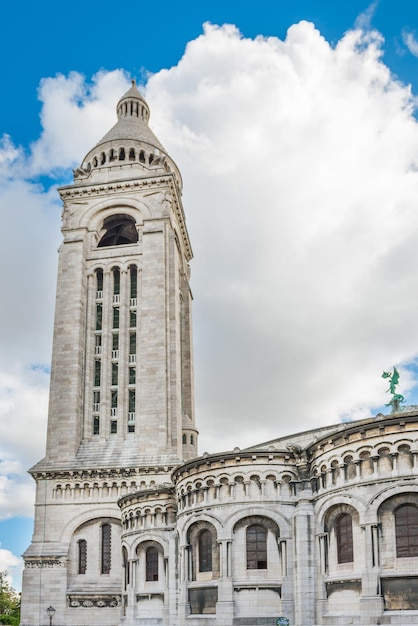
<point x="93" y="601"/>
<point x="45" y="563"/>
<point x="99" y="473"/>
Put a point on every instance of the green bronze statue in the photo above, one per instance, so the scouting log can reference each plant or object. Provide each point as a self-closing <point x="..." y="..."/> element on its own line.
<point x="397" y="398"/>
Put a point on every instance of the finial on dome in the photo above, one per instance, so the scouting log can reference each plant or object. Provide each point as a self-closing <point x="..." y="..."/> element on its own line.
<point x="133" y="82"/>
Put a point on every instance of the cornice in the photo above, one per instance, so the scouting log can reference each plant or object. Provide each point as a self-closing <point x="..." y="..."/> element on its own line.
<point x="99" y="473"/>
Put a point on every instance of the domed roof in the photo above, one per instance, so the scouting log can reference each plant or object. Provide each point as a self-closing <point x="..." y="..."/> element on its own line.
<point x="133" y="115"/>
<point x="130" y="148"/>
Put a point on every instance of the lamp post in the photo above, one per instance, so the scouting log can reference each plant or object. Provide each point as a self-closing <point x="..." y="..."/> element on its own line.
<point x="50" y="611"/>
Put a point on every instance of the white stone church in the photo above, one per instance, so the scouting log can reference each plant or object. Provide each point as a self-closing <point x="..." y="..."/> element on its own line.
<point x="132" y="528"/>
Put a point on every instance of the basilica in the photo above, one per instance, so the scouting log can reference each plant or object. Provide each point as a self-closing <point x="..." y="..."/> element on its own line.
<point x="132" y="527"/>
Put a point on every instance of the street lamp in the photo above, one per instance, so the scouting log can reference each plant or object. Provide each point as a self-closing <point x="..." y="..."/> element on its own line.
<point x="50" y="612"/>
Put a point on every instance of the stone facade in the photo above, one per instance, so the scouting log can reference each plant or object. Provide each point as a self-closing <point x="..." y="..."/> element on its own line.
<point x="131" y="527"/>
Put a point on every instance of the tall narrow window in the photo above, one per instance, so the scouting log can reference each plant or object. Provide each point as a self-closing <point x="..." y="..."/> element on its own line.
<point x="99" y="316"/>
<point x="114" y="398"/>
<point x="96" y="425"/>
<point x="132" y="318"/>
<point x="132" y="343"/>
<point x="151" y="564"/>
<point x="133" y="283"/>
<point x="113" y="427"/>
<point x="97" y="372"/>
<point x="132" y="375"/>
<point x="131" y="400"/>
<point x="115" y="371"/>
<point x="205" y="551"/>
<point x="115" y="345"/>
<point x="115" y="317"/>
<point x="82" y="556"/>
<point x="96" y="401"/>
<point x="99" y="284"/>
<point x="106" y="548"/>
<point x="256" y="547"/>
<point x="344" y="532"/>
<point x="116" y="281"/>
<point x="406" y="530"/>
<point x="125" y="563"/>
<point x="98" y="344"/>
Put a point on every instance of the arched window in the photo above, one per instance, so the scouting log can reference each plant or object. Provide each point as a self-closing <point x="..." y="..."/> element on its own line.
<point x="205" y="551"/>
<point x="184" y="439"/>
<point x="125" y="564"/>
<point x="406" y="530"/>
<point x="344" y="532"/>
<point x="256" y="547"/>
<point x="120" y="230"/>
<point x="99" y="284"/>
<point x="82" y="556"/>
<point x="151" y="564"/>
<point x="106" y="546"/>
<point x="133" y="283"/>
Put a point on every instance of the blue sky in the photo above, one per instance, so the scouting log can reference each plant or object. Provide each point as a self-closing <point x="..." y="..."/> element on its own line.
<point x="324" y="156"/>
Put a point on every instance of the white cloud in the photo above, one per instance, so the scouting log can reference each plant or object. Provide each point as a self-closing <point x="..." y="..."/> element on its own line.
<point x="12" y="565"/>
<point x="299" y="163"/>
<point x="300" y="170"/>
<point x="410" y="42"/>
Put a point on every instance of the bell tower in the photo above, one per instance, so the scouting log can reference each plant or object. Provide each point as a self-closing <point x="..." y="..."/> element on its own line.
<point x="121" y="409"/>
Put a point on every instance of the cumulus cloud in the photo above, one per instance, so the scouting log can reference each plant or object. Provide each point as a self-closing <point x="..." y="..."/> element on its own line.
<point x="11" y="564"/>
<point x="300" y="164"/>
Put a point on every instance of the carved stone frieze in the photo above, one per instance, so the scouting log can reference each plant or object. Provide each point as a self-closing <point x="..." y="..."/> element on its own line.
<point x="45" y="563"/>
<point x="93" y="601"/>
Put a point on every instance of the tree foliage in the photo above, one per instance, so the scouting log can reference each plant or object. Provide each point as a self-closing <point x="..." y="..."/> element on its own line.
<point x="9" y="602"/>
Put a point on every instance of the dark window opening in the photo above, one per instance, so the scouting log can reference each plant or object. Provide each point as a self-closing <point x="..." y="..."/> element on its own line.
<point x="132" y="375"/>
<point x="142" y="156"/>
<point x="116" y="281"/>
<point x="184" y="439"/>
<point x="113" y="427"/>
<point x="191" y="440"/>
<point x="134" y="282"/>
<point x="102" y="158"/>
<point x="256" y="547"/>
<point x="122" y="154"/>
<point x="99" y="279"/>
<point x="82" y="556"/>
<point x="344" y="531"/>
<point x="131" y="400"/>
<point x="99" y="316"/>
<point x="151" y="564"/>
<point x="205" y="551"/>
<point x="115" y="372"/>
<point x="96" y="425"/>
<point x="120" y="229"/>
<point x="112" y="156"/>
<point x="115" y="341"/>
<point x="406" y="531"/>
<point x="132" y="319"/>
<point x="114" y="398"/>
<point x="132" y="343"/>
<point x="106" y="549"/>
<point x="115" y="317"/>
<point x="97" y="372"/>
<point x="132" y="154"/>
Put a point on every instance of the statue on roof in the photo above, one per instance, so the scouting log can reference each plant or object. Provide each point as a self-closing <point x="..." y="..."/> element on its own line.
<point x="397" y="398"/>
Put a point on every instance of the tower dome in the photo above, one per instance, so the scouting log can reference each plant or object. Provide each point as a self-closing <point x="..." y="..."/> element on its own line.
<point x="129" y="149"/>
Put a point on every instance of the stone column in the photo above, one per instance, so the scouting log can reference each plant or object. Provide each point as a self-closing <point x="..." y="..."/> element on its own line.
<point x="304" y="564"/>
<point x="225" y="604"/>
